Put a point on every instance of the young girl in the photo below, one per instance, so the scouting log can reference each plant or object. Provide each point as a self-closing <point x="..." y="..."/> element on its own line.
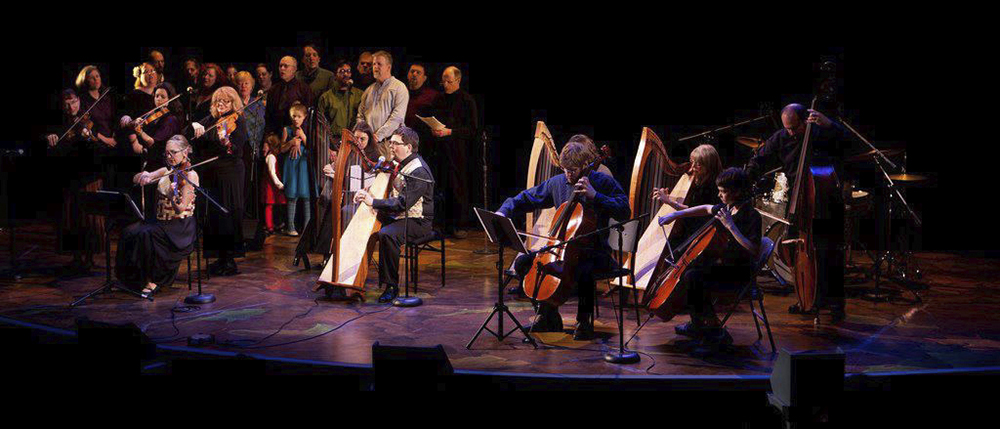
<point x="271" y="187"/>
<point x="296" y="170"/>
<point x="732" y="270"/>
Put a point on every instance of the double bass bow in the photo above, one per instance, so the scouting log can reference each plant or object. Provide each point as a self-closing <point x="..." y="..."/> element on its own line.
<point x="571" y="219"/>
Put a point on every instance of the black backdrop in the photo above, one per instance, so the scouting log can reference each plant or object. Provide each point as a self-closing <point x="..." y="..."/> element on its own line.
<point x="905" y="88"/>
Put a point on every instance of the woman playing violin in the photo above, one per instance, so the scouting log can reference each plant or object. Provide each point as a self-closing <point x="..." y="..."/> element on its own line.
<point x="227" y="140"/>
<point x="89" y="85"/>
<point x="731" y="270"/>
<point x="153" y="131"/>
<point x="149" y="253"/>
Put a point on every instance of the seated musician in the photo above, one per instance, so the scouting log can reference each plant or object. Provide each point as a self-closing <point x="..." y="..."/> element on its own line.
<point x="729" y="271"/>
<point x="149" y="253"/>
<point x="601" y="192"/>
<point x="705" y="167"/>
<point x="410" y="199"/>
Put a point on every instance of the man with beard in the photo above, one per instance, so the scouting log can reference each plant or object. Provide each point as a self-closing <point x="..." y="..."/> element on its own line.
<point x="456" y="109"/>
<point x="340" y="103"/>
<point x="364" y="77"/>
<point x="158" y="62"/>
<point x="319" y="79"/>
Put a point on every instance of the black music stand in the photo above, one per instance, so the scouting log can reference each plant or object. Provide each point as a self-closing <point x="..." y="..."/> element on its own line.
<point x="114" y="206"/>
<point x="500" y="230"/>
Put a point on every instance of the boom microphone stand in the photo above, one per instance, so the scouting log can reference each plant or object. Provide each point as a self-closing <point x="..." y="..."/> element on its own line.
<point x="486" y="250"/>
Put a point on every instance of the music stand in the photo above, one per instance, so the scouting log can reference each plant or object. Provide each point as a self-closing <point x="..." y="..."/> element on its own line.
<point x="500" y="230"/>
<point x="114" y="206"/>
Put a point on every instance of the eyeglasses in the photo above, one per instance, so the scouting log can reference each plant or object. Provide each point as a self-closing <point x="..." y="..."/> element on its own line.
<point x="222" y="102"/>
<point x="174" y="152"/>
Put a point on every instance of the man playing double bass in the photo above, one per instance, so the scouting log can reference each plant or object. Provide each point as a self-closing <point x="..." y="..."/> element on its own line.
<point x="600" y="192"/>
<point x="828" y="222"/>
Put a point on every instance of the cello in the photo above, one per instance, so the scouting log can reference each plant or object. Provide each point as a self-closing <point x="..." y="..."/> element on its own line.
<point x="660" y="296"/>
<point x="552" y="276"/>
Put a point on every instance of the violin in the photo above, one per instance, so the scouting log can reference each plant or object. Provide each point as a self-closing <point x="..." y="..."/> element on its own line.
<point x="150" y="118"/>
<point x="226" y="124"/>
<point x="552" y="276"/>
<point x="82" y="123"/>
<point x="176" y="175"/>
<point x="708" y="241"/>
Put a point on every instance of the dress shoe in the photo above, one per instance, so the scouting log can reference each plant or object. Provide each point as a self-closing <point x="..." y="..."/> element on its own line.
<point x="546" y="323"/>
<point x="689" y="330"/>
<point x="584" y="331"/>
<point x="390" y="294"/>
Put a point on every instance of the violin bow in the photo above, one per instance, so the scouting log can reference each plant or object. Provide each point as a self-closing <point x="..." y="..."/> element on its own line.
<point x="80" y="117"/>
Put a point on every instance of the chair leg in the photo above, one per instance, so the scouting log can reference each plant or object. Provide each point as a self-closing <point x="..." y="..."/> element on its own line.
<point x="415" y="254"/>
<point x="756" y="323"/>
<point x="442" y="262"/>
<point x="767" y="325"/>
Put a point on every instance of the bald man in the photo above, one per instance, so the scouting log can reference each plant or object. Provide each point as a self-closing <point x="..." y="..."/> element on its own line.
<point x="782" y="149"/>
<point x="457" y="164"/>
<point x="285" y="92"/>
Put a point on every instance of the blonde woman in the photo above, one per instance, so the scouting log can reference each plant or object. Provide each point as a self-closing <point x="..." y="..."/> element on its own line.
<point x="224" y="176"/>
<point x="705" y="167"/>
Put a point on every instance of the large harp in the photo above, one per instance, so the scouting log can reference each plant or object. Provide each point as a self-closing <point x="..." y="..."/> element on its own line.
<point x="652" y="169"/>
<point x="353" y="224"/>
<point x="319" y="143"/>
<point x="543" y="164"/>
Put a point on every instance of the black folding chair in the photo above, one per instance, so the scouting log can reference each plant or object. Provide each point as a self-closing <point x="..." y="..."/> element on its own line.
<point x="751" y="288"/>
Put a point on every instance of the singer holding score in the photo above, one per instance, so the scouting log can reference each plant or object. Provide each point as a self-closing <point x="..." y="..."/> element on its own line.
<point x="409" y="210"/>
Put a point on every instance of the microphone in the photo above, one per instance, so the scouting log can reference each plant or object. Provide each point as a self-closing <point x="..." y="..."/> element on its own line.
<point x="12" y="152"/>
<point x="190" y="90"/>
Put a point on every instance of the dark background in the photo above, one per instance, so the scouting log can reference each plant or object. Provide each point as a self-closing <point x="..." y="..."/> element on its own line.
<point x="908" y="87"/>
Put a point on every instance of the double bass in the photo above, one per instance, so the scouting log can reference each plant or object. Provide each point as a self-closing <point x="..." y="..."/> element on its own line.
<point x="797" y="249"/>
<point x="571" y="219"/>
<point x="354" y="225"/>
<point x="661" y="297"/>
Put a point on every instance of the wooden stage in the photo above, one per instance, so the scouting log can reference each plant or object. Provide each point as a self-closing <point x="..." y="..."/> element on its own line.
<point x="270" y="309"/>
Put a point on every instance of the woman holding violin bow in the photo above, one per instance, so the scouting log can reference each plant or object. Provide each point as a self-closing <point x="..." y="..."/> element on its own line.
<point x="149" y="253"/>
<point x="590" y="198"/>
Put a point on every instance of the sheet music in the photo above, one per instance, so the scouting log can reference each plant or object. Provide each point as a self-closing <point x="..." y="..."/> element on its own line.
<point x="432" y="122"/>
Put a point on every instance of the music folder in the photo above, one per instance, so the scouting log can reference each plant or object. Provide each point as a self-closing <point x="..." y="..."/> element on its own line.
<point x="500" y="230"/>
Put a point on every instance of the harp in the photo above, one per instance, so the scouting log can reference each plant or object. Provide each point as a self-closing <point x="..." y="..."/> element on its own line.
<point x="319" y="143"/>
<point x="543" y="164"/>
<point x="353" y="224"/>
<point x="652" y="169"/>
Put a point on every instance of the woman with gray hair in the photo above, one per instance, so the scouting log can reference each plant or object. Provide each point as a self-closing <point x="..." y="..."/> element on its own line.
<point x="149" y="253"/>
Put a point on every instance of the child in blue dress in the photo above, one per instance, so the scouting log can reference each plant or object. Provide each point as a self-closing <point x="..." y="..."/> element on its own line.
<point x="296" y="170"/>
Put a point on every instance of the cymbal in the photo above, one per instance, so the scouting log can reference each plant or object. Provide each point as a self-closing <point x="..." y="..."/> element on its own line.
<point x="750" y="142"/>
<point x="907" y="177"/>
<point x="865" y="156"/>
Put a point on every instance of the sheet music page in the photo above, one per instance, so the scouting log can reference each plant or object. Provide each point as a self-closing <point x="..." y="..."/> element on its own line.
<point x="432" y="122"/>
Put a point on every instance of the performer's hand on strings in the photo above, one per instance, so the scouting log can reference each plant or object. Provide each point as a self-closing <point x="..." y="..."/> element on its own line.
<point x="667" y="218"/>
<point x="363" y="195"/>
<point x="726" y="219"/>
<point x="584" y="187"/>
<point x="818" y="118"/>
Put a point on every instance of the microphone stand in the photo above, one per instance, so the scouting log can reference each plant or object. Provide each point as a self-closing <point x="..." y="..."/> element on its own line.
<point x="407" y="300"/>
<point x="886" y="256"/>
<point x="200" y="297"/>
<point x="486" y="250"/>
<point x="723" y="128"/>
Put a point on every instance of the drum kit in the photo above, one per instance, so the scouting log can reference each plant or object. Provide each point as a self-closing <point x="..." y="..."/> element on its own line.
<point x="772" y="200"/>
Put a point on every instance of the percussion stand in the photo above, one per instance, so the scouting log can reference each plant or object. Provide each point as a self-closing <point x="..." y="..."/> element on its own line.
<point x="892" y="191"/>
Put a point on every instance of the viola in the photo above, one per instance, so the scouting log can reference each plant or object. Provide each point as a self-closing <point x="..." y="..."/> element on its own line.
<point x="707" y="242"/>
<point x="83" y="122"/>
<point x="552" y="276"/>
<point x="151" y="118"/>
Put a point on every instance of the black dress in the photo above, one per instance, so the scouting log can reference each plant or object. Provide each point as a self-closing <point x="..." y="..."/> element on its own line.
<point x="224" y="183"/>
<point x="153" y="251"/>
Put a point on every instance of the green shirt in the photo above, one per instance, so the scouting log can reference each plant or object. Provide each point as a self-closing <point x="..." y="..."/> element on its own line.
<point x="333" y="105"/>
<point x="319" y="80"/>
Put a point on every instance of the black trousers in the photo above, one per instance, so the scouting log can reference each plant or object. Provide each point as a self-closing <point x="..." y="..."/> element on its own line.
<point x="391" y="239"/>
<point x="587" y="271"/>
<point x="702" y="284"/>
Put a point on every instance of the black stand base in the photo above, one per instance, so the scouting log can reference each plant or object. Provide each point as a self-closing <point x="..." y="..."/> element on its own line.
<point x="109" y="287"/>
<point x="502" y="309"/>
<point x="623" y="357"/>
<point x="200" y="298"/>
<point x="407" y="301"/>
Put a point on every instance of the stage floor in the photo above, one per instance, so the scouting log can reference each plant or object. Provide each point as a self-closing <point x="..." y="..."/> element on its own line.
<point x="270" y="309"/>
